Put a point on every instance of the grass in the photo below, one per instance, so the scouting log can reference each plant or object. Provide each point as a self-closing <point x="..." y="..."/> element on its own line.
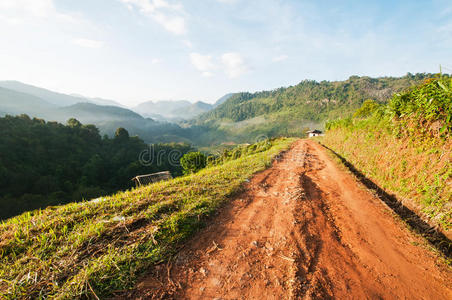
<point x="94" y="248"/>
<point x="415" y="168"/>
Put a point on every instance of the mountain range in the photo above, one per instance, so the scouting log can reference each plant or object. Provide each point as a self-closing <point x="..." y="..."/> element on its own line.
<point x="234" y="118"/>
<point x="152" y="121"/>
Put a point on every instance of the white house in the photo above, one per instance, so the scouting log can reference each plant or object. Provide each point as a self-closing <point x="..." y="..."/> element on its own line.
<point x="314" y="132"/>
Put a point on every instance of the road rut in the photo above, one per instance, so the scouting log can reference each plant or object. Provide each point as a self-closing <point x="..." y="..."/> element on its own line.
<point x="302" y="229"/>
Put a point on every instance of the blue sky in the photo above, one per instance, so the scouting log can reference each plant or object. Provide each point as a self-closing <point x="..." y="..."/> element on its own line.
<point x="139" y="50"/>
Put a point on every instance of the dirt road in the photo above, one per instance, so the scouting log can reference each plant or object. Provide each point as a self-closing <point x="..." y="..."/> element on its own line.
<point x="302" y="229"/>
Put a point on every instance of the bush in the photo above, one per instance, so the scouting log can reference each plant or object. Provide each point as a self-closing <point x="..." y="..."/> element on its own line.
<point x="429" y="102"/>
<point x="367" y="109"/>
<point x="193" y="162"/>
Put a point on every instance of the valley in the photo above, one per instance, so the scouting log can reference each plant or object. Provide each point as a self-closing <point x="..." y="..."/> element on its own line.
<point x="225" y="149"/>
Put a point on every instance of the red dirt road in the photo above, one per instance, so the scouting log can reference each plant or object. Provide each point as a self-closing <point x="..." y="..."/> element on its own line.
<point x="302" y="229"/>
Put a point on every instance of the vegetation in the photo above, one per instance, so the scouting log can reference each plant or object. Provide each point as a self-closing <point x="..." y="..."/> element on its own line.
<point x="237" y="152"/>
<point x="367" y="109"/>
<point x="290" y="111"/>
<point x="92" y="249"/>
<point x="46" y="164"/>
<point x="405" y="147"/>
<point x="193" y="162"/>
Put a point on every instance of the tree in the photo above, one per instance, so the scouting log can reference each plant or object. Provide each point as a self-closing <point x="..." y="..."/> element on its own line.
<point x="73" y="123"/>
<point x="121" y="134"/>
<point x="193" y="162"/>
<point x="366" y="109"/>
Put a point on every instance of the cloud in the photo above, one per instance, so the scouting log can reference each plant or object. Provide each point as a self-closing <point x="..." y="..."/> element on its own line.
<point x="203" y="63"/>
<point x="280" y="58"/>
<point x="156" y="61"/>
<point x="169" y="16"/>
<point x="17" y="12"/>
<point x="36" y="8"/>
<point x="227" y="1"/>
<point x="87" y="43"/>
<point x="234" y="64"/>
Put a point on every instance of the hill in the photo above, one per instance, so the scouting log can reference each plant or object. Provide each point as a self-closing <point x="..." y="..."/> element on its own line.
<point x="222" y="99"/>
<point x="172" y="110"/>
<point x="89" y="113"/>
<point x="289" y="111"/>
<point x="106" y="117"/>
<point x="192" y="111"/>
<point x="13" y="103"/>
<point x="54" y="98"/>
<point x="49" y="163"/>
<point x="58" y="99"/>
<point x="102" y="246"/>
<point x="404" y="147"/>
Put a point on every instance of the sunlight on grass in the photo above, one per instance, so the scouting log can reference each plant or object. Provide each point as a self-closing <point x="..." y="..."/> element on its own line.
<point x="79" y="249"/>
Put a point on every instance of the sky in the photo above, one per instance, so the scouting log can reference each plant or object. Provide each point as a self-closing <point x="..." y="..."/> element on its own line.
<point x="139" y="50"/>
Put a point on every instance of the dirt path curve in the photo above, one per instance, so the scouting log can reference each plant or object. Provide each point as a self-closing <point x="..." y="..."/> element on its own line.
<point x="303" y="229"/>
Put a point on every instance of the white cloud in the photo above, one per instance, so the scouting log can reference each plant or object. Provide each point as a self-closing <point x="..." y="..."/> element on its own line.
<point x="17" y="12"/>
<point x="87" y="43"/>
<point x="203" y="63"/>
<point x="170" y="16"/>
<point x="227" y="1"/>
<point x="234" y="64"/>
<point x="156" y="61"/>
<point x="280" y="58"/>
<point x="36" y="8"/>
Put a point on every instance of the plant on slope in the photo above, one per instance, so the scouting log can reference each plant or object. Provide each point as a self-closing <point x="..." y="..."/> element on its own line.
<point x="97" y="247"/>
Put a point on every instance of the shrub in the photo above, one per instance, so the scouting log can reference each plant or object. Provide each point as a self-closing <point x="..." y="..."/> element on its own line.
<point x="367" y="109"/>
<point x="192" y="162"/>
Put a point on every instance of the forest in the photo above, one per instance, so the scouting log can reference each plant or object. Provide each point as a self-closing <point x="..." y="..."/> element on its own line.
<point x="290" y="111"/>
<point x="48" y="163"/>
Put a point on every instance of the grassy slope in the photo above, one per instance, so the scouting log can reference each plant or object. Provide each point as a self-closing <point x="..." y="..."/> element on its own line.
<point x="405" y="148"/>
<point x="418" y="172"/>
<point x="91" y="248"/>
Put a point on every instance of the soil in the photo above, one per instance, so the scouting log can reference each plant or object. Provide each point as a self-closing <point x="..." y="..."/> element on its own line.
<point x="302" y="229"/>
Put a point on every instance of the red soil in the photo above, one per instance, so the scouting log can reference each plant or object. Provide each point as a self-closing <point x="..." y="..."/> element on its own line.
<point x="304" y="228"/>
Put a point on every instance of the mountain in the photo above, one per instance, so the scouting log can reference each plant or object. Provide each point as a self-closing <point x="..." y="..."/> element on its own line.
<point x="223" y="99"/>
<point x="52" y="97"/>
<point x="93" y="113"/>
<point x="172" y="110"/>
<point x="289" y="111"/>
<point x="163" y="108"/>
<point x="110" y="118"/>
<point x="193" y="110"/>
<point x="99" y="101"/>
<point x="55" y="98"/>
<point x="17" y="98"/>
<point x="16" y="103"/>
<point x="106" y="118"/>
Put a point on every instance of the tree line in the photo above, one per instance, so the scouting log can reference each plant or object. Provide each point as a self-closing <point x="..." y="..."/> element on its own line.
<point x="48" y="163"/>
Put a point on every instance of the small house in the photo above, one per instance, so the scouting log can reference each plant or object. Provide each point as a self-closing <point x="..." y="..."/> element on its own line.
<point x="314" y="132"/>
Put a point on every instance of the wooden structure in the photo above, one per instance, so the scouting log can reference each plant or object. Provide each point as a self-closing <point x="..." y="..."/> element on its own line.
<point x="151" y="178"/>
<point x="314" y="132"/>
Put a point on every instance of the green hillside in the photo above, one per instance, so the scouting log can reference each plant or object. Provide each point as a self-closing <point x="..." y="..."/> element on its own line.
<point x="91" y="249"/>
<point x="289" y="111"/>
<point x="405" y="147"/>
<point x="44" y="164"/>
